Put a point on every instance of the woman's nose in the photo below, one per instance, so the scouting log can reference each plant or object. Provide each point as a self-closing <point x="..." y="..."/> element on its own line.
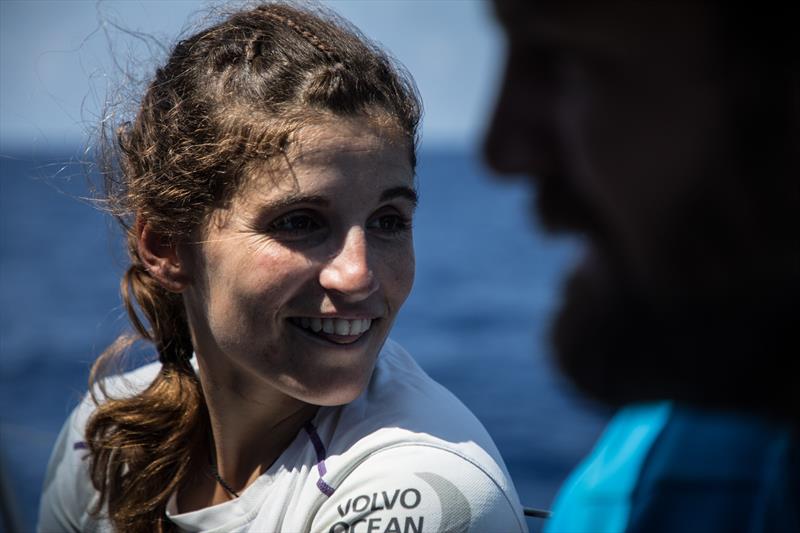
<point x="348" y="271"/>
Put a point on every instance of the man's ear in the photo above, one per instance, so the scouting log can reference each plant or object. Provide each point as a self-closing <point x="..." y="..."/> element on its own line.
<point x="161" y="258"/>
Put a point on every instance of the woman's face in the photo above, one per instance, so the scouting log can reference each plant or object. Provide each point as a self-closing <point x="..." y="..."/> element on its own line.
<point x="297" y="282"/>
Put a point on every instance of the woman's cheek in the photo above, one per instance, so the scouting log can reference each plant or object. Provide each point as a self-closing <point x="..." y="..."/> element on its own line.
<point x="403" y="271"/>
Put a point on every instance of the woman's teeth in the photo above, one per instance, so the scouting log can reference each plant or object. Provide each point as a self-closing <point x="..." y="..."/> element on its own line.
<point x="338" y="326"/>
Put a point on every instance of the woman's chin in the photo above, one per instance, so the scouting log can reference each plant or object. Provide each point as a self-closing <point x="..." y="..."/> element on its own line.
<point x="333" y="395"/>
<point x="330" y="388"/>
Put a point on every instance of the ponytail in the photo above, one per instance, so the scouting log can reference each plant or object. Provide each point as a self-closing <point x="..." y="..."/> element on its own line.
<point x="141" y="445"/>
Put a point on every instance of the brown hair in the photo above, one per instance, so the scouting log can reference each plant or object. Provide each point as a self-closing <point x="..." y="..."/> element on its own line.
<point x="229" y="95"/>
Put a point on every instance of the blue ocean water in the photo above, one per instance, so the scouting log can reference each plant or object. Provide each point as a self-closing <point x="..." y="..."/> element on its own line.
<point x="487" y="284"/>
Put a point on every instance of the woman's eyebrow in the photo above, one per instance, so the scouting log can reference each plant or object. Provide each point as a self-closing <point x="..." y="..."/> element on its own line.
<point x="400" y="192"/>
<point x="291" y="200"/>
<point x="294" y="199"/>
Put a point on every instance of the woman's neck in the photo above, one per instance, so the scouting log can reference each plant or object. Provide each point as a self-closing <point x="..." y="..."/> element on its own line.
<point x="250" y="427"/>
<point x="244" y="443"/>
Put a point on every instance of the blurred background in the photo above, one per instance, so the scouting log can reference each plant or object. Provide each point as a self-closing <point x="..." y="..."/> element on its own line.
<point x="487" y="279"/>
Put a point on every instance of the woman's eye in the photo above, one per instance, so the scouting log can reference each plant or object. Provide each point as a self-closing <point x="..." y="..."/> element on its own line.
<point x="390" y="223"/>
<point x="294" y="224"/>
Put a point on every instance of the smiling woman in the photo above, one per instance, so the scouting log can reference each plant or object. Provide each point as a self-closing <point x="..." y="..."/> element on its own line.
<point x="266" y="187"/>
<point x="303" y="276"/>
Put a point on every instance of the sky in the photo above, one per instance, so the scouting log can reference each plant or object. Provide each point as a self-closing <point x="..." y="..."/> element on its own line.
<point x="57" y="60"/>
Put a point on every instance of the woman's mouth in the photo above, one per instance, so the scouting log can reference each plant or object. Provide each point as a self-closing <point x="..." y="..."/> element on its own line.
<point x="336" y="330"/>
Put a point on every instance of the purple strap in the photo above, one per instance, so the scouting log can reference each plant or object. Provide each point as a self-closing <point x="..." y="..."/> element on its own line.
<point x="326" y="489"/>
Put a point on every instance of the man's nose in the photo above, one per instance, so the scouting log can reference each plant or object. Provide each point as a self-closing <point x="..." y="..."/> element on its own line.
<point x="522" y="137"/>
<point x="348" y="271"/>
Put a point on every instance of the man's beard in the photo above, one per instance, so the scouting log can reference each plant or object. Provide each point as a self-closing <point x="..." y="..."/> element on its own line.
<point x="719" y="327"/>
<point x="718" y="348"/>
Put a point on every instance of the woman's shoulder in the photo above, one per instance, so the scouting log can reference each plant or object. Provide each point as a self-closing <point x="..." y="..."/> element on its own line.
<point x="418" y="487"/>
<point x="399" y="380"/>
<point x="124" y="384"/>
<point x="68" y="492"/>
<point x="402" y="396"/>
<point x="408" y="444"/>
<point x="132" y="381"/>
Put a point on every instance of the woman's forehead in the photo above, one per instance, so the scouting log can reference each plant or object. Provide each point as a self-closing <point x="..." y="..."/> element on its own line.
<point x="328" y="156"/>
<point x="333" y="137"/>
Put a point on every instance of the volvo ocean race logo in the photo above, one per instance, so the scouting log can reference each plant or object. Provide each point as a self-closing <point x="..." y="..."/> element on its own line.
<point x="399" y="511"/>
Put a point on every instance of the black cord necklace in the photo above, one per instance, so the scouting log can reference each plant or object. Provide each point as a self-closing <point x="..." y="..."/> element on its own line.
<point x="214" y="472"/>
<point x="221" y="481"/>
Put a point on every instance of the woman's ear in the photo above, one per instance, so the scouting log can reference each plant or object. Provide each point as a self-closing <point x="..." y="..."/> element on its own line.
<point x="161" y="258"/>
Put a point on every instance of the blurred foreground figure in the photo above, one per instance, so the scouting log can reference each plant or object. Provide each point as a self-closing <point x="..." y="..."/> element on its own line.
<point x="666" y="133"/>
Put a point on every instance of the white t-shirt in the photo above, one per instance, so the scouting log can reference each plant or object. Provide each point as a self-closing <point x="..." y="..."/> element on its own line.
<point x="406" y="456"/>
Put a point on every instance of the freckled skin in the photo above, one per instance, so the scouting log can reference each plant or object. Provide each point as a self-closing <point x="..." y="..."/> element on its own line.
<point x="256" y="266"/>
